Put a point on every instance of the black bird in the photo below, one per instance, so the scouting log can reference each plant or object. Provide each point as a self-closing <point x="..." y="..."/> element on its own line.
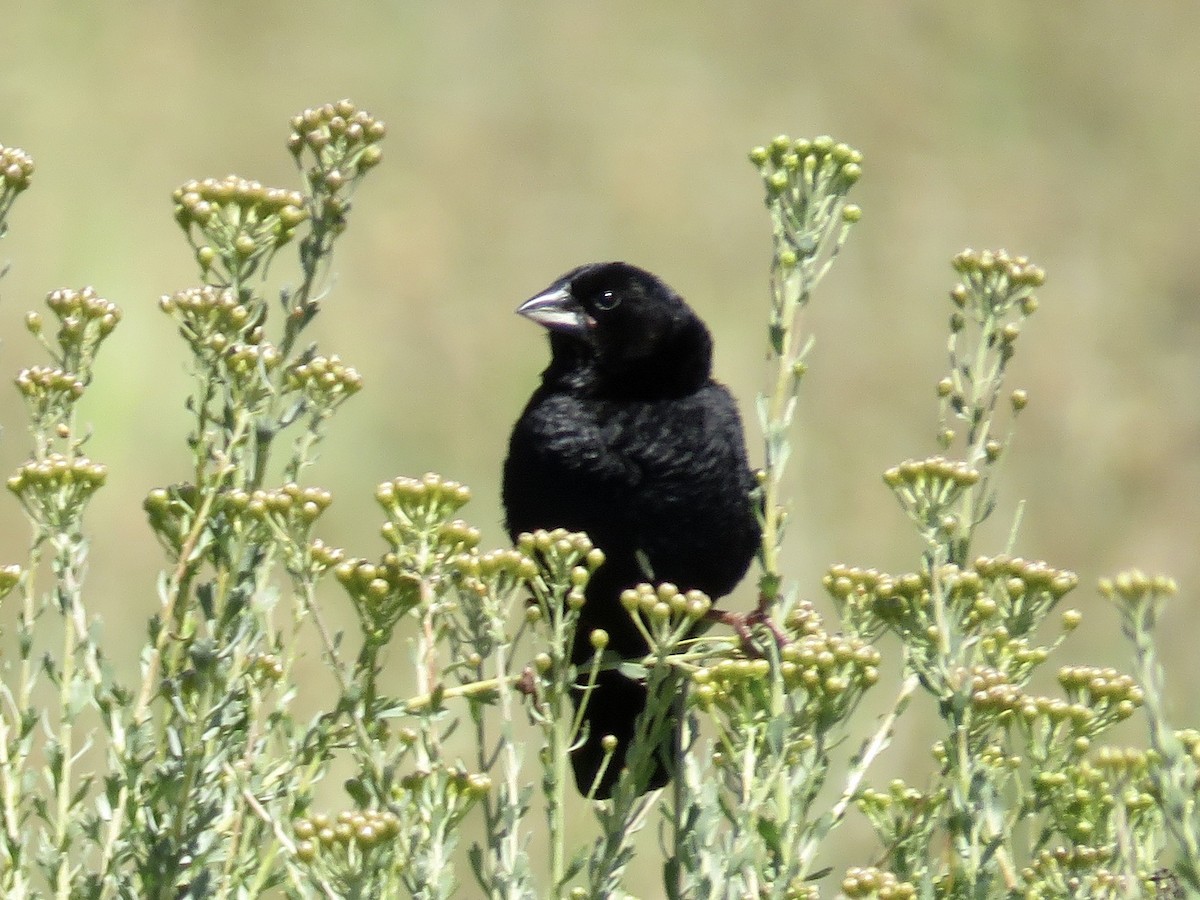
<point x="629" y="439"/>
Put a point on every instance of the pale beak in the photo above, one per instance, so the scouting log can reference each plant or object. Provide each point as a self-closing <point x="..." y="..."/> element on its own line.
<point x="558" y="310"/>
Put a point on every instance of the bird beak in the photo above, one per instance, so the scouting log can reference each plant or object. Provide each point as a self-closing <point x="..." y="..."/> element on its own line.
<point x="558" y="310"/>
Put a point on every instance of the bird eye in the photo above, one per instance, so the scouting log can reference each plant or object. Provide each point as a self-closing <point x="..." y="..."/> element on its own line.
<point x="607" y="300"/>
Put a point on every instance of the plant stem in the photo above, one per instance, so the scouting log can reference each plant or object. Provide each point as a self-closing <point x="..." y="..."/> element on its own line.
<point x="68" y="587"/>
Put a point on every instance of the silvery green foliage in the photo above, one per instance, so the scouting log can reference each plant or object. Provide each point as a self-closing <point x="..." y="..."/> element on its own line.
<point x="198" y="780"/>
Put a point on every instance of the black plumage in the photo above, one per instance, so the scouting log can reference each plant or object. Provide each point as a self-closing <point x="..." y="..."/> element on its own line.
<point x="629" y="439"/>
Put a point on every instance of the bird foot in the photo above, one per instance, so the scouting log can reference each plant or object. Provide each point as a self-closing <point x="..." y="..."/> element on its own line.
<point x="743" y="625"/>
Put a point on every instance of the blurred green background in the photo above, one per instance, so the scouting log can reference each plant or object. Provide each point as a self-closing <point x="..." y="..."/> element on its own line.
<point x="527" y="138"/>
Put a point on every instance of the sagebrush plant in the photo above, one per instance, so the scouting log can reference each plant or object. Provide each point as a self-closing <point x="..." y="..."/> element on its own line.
<point x="198" y="780"/>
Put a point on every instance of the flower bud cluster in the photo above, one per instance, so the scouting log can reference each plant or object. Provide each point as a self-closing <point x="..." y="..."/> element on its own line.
<point x="340" y="844"/>
<point x="871" y="600"/>
<point x="823" y="675"/>
<point x="499" y="571"/>
<point x="1015" y="656"/>
<point x="236" y="223"/>
<point x="991" y="301"/>
<point x="1082" y="799"/>
<point x="427" y="545"/>
<point x="1135" y="589"/>
<point x="1068" y="866"/>
<point x="1124" y="762"/>
<point x="928" y="489"/>
<point x="1024" y="591"/>
<point x="255" y="516"/>
<point x="992" y="694"/>
<point x="289" y="511"/>
<point x="50" y="394"/>
<point x="326" y="382"/>
<point x="665" y="609"/>
<point x="342" y="142"/>
<point x="807" y="169"/>
<point x="446" y="793"/>
<point x="445" y="539"/>
<point x="1056" y="725"/>
<point x="451" y="780"/>
<point x="803" y="620"/>
<point x="873" y="882"/>
<point x="212" y="319"/>
<point x="421" y="504"/>
<point x="382" y="593"/>
<point x="324" y="557"/>
<point x="806" y="183"/>
<point x="226" y="334"/>
<point x="1109" y="695"/>
<point x="570" y="547"/>
<point x="901" y="814"/>
<point x="898" y="794"/>
<point x="1096" y="804"/>
<point x="85" y="320"/>
<point x="988" y="754"/>
<point x="566" y="557"/>
<point x="1007" y="596"/>
<point x="1060" y="726"/>
<point x="994" y="283"/>
<point x="247" y="364"/>
<point x="564" y="561"/>
<point x="16" y="168"/>
<point x="54" y="490"/>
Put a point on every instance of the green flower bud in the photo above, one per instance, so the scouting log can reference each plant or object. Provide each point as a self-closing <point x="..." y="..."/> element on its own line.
<point x="370" y="158"/>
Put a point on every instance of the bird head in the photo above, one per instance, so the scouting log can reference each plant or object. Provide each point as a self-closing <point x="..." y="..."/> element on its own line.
<point x="626" y="327"/>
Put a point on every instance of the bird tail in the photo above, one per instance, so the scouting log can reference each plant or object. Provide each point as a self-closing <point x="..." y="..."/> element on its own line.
<point x="646" y="734"/>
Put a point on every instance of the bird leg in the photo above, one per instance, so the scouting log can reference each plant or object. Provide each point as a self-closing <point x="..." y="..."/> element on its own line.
<point x="743" y="624"/>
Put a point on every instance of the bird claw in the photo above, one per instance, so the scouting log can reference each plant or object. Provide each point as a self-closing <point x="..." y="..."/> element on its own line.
<point x="743" y="625"/>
